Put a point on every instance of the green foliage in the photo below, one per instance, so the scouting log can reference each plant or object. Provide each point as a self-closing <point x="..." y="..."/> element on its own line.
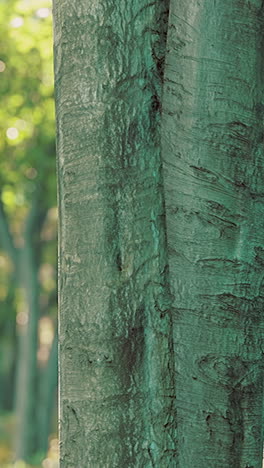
<point x="27" y="129"/>
<point x="27" y="111"/>
<point x="27" y="176"/>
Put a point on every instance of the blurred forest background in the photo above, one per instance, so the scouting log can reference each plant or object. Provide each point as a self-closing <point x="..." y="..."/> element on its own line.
<point x="28" y="238"/>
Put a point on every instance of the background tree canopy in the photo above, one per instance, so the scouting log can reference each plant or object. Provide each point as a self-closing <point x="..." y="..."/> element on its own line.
<point x="28" y="226"/>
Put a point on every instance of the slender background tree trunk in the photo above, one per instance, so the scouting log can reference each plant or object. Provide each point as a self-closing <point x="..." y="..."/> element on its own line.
<point x="116" y="376"/>
<point x="213" y="170"/>
<point x="48" y="384"/>
<point x="31" y="431"/>
<point x="26" y="380"/>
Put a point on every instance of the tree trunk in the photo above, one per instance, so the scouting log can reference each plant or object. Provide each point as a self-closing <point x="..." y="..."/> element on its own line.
<point x="47" y="392"/>
<point x="116" y="385"/>
<point x="24" y="261"/>
<point x="26" y="380"/>
<point x="213" y="171"/>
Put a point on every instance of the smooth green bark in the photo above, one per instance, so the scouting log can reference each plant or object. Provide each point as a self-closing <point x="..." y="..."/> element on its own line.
<point x="117" y="381"/>
<point x="116" y="386"/>
<point x="214" y="186"/>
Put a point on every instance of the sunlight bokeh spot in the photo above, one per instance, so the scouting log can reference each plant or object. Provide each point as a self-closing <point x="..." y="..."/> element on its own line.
<point x="43" y="354"/>
<point x="20" y="123"/>
<point x="20" y="199"/>
<point x="22" y="318"/>
<point x="2" y="66"/>
<point x="52" y="460"/>
<point x="8" y="197"/>
<point x="17" y="22"/>
<point x="12" y="133"/>
<point x="2" y="261"/>
<point x="46" y="331"/>
<point x="48" y="463"/>
<point x="31" y="173"/>
<point x="20" y="464"/>
<point x="43" y="12"/>
<point x="46" y="335"/>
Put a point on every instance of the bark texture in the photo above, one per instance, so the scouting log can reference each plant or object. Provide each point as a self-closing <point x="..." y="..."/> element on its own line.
<point x="116" y="386"/>
<point x="213" y="171"/>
